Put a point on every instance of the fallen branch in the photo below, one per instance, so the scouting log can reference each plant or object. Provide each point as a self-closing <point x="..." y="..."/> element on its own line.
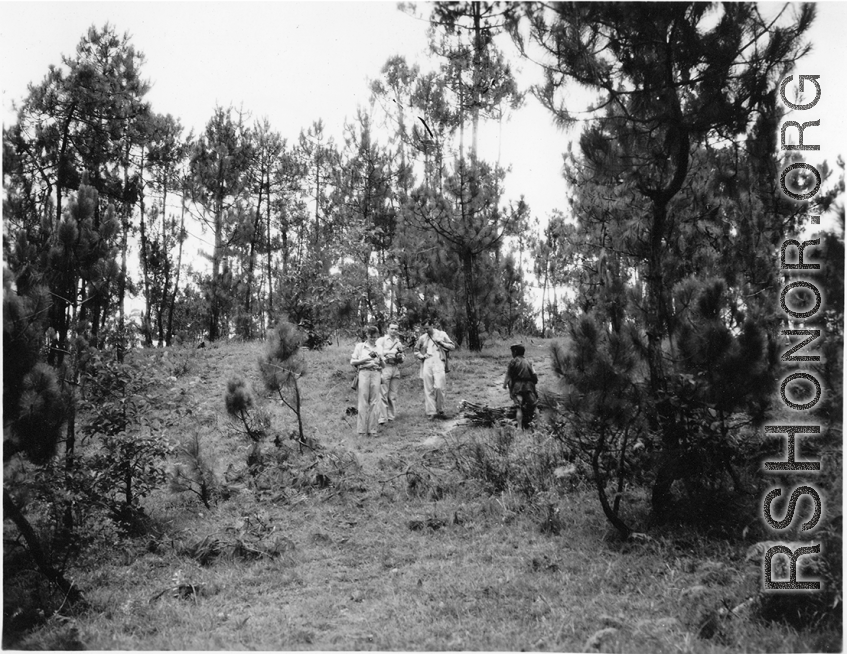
<point x="485" y="416"/>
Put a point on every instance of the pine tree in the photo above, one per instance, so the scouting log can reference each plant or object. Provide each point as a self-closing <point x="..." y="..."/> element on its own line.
<point x="668" y="82"/>
<point x="34" y="407"/>
<point x="83" y="119"/>
<point x="218" y="167"/>
<point x="167" y="153"/>
<point x="282" y="366"/>
<point x="268" y="150"/>
<point x="366" y="220"/>
<point x="482" y="84"/>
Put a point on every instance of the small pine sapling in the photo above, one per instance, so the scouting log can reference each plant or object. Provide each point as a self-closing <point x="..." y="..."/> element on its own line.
<point x="241" y="407"/>
<point x="597" y="416"/>
<point x="282" y="366"/>
<point x="193" y="474"/>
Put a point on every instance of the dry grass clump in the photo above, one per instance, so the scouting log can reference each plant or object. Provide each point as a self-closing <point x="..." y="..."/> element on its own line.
<point x="251" y="537"/>
<point x="502" y="459"/>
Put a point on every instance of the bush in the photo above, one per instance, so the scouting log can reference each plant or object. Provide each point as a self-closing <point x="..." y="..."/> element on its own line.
<point x="130" y="448"/>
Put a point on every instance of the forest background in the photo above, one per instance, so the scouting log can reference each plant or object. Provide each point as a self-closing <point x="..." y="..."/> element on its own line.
<point x="657" y="274"/>
<point x="325" y="87"/>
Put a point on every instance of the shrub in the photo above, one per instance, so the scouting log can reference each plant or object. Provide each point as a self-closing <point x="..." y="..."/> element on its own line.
<point x="130" y="448"/>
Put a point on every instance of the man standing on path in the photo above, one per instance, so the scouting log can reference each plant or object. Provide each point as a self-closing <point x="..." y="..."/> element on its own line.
<point x="367" y="359"/>
<point x="520" y="380"/>
<point x="431" y="349"/>
<point x="392" y="349"/>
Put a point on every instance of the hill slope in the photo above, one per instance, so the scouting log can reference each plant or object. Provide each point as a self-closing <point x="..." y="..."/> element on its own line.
<point x="406" y="541"/>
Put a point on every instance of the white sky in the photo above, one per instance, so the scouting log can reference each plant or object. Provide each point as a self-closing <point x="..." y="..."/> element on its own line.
<point x="295" y="62"/>
<point x="292" y="62"/>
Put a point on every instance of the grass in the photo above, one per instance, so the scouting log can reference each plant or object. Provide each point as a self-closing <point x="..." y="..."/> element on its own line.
<point x="399" y="551"/>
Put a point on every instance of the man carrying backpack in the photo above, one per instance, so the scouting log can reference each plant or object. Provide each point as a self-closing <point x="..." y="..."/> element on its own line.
<point x="520" y="380"/>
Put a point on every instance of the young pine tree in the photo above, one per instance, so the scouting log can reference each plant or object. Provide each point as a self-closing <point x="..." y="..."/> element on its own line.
<point x="282" y="366"/>
<point x="34" y="409"/>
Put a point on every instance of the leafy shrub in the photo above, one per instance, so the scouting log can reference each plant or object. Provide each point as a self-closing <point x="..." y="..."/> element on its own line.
<point x="317" y="337"/>
<point x="130" y="449"/>
<point x="69" y="517"/>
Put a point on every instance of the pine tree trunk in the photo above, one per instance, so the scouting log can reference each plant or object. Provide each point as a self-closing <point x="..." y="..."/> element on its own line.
<point x="599" y="481"/>
<point x="122" y="290"/>
<point x="251" y="266"/>
<point x="471" y="313"/>
<point x="317" y="206"/>
<point x="145" y="272"/>
<point x="217" y="258"/>
<point x="170" y="334"/>
<point x="160" y="310"/>
<point x="477" y="64"/>
<point x="654" y="317"/>
<point x="270" y="257"/>
<point x="544" y="299"/>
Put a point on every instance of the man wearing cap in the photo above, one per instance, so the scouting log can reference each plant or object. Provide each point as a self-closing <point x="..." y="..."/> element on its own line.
<point x="431" y="350"/>
<point x="392" y="350"/>
<point x="520" y="380"/>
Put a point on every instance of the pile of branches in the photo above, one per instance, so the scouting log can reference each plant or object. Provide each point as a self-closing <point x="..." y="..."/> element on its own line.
<point x="252" y="537"/>
<point x="485" y="416"/>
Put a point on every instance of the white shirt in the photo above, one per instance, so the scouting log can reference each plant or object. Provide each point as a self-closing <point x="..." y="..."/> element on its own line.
<point x="363" y="350"/>
<point x="390" y="346"/>
<point x="429" y="348"/>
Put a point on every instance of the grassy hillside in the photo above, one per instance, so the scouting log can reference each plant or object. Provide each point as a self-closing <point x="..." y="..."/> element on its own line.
<point x="431" y="536"/>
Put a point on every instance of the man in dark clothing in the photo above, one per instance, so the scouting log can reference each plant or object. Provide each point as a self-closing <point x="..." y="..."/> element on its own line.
<point x="520" y="381"/>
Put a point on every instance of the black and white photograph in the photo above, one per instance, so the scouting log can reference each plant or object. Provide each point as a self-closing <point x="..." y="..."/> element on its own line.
<point x="423" y="326"/>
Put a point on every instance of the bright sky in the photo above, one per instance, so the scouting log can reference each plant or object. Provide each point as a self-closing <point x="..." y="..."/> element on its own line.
<point x="292" y="62"/>
<point x="295" y="62"/>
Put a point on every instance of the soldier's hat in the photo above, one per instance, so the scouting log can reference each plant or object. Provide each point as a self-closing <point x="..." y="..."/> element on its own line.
<point x="518" y="350"/>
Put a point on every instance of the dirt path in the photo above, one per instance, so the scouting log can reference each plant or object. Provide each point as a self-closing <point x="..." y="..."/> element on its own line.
<point x="327" y="396"/>
<point x="412" y="436"/>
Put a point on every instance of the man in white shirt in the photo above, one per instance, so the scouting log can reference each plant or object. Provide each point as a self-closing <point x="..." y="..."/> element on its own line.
<point x="392" y="350"/>
<point x="367" y="359"/>
<point x="431" y="349"/>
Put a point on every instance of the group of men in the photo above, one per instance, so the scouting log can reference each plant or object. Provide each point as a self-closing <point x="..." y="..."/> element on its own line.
<point x="378" y="362"/>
